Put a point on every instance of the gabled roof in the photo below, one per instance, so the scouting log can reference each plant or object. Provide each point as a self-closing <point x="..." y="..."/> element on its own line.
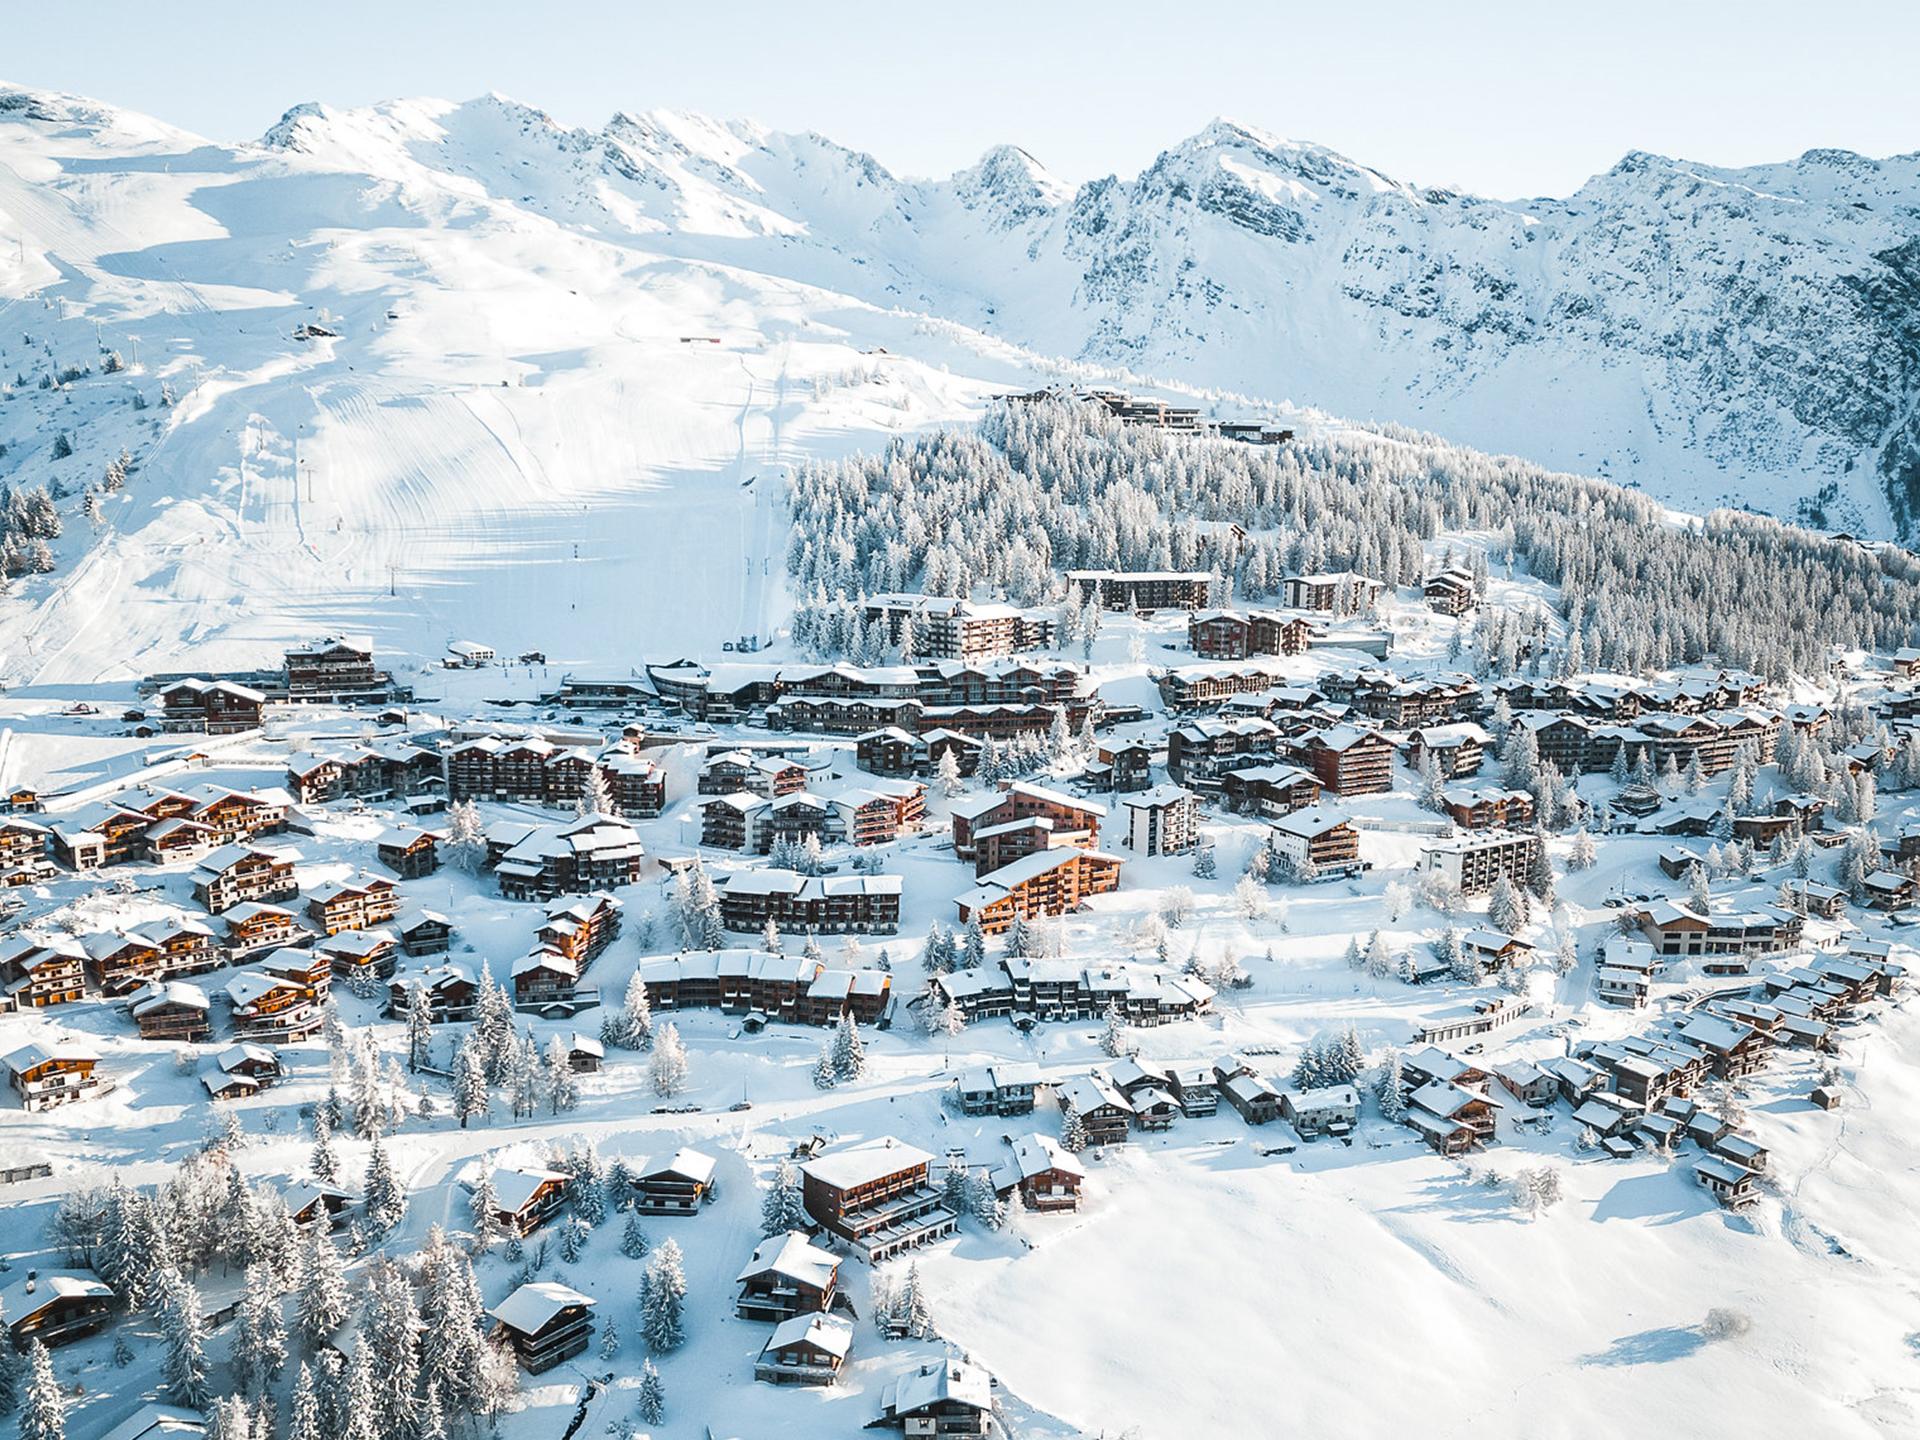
<point x="534" y="1305"/>
<point x="794" y="1256"/>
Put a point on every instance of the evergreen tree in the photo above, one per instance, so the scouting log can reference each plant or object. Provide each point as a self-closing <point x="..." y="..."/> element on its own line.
<point x="783" y="1209"/>
<point x="470" y="1092"/>
<point x="973" y="945"/>
<point x="386" y="1201"/>
<point x="322" y="1162"/>
<point x="322" y="1304"/>
<point x="669" y="1067"/>
<point x="1205" y="867"/>
<point x="663" y="1296"/>
<point x="563" y="1089"/>
<point x="183" y="1328"/>
<point x="1113" y="1036"/>
<point x="1073" y="1131"/>
<point x="1391" y="1090"/>
<point x="13" y="1369"/>
<point x="633" y="1239"/>
<point x="419" y="1027"/>
<point x="849" y="1054"/>
<point x="303" y="1409"/>
<point x="653" y="1394"/>
<point x="1506" y="906"/>
<point x="44" y="1415"/>
<point x="260" y="1340"/>
<point x="483" y="1206"/>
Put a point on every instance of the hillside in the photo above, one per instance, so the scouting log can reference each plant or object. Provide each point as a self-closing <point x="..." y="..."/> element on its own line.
<point x="556" y="349"/>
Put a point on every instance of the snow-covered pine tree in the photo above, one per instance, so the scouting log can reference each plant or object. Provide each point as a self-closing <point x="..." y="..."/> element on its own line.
<point x="1506" y="906"/>
<point x="1073" y="1131"/>
<point x="386" y="1199"/>
<point x="321" y="1307"/>
<point x="849" y="1054"/>
<point x="471" y="1095"/>
<point x="783" y="1208"/>
<point x="1113" y="1034"/>
<point x="1390" y="1091"/>
<point x="947" y="774"/>
<point x="652" y="1402"/>
<point x="633" y="1238"/>
<point x="636" y="1015"/>
<point x="303" y="1407"/>
<point x="973" y="944"/>
<point x="260" y="1338"/>
<point x="43" y="1414"/>
<point x="13" y="1370"/>
<point x="563" y="1088"/>
<point x="669" y="1066"/>
<point x="419" y="1027"/>
<point x="663" y="1296"/>
<point x="183" y="1329"/>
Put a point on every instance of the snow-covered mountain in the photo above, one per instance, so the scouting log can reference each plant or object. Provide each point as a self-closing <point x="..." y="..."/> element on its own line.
<point x="547" y="349"/>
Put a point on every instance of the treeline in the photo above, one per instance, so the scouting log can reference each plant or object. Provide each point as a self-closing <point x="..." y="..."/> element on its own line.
<point x="1004" y="509"/>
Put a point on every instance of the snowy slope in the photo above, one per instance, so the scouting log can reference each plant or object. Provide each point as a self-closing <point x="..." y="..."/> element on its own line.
<point x="535" y="430"/>
<point x="513" y="409"/>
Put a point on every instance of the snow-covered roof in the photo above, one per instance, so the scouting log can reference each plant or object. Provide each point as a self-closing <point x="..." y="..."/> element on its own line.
<point x="832" y="1334"/>
<point x="515" y="1186"/>
<point x="793" y="1256"/>
<point x="862" y="1164"/>
<point x="534" y="1305"/>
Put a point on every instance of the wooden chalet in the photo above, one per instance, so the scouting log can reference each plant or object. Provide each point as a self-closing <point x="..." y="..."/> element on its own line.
<point x="637" y="786"/>
<point x="678" y="1185"/>
<point x="1048" y="882"/>
<point x="42" y="971"/>
<point x="805" y="1350"/>
<point x="876" y="1197"/>
<point x="452" y="993"/>
<point x="1043" y="1176"/>
<point x="1017" y="801"/>
<point x="1488" y="808"/>
<point x="942" y="1398"/>
<point x="545" y="980"/>
<point x="56" y="1307"/>
<point x="1004" y="1087"/>
<point x="408" y="852"/>
<point x="355" y="903"/>
<point x="1319" y="842"/>
<point x="526" y="1198"/>
<point x="810" y="904"/>
<point x="274" y="1008"/>
<point x="23" y="852"/>
<point x="787" y="1275"/>
<point x="253" y="927"/>
<point x="1269" y="790"/>
<point x="1449" y="593"/>
<point x="354" y="953"/>
<point x="1252" y="1097"/>
<point x="171" y="1010"/>
<point x="1456" y="750"/>
<point x="1346" y="759"/>
<point x="237" y="873"/>
<point x="581" y="929"/>
<point x="215" y="707"/>
<point x="423" y="932"/>
<point x="52" y="1074"/>
<point x="546" y="1323"/>
<point x="596" y="852"/>
<point x="1104" y="1113"/>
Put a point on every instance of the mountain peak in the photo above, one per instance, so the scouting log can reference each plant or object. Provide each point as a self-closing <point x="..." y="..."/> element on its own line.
<point x="1012" y="181"/>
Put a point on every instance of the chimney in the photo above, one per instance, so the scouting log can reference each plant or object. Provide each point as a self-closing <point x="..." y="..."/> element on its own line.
<point x="33" y="1277"/>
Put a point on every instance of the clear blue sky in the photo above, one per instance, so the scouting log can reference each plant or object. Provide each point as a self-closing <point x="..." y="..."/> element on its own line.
<point x="1503" y="99"/>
